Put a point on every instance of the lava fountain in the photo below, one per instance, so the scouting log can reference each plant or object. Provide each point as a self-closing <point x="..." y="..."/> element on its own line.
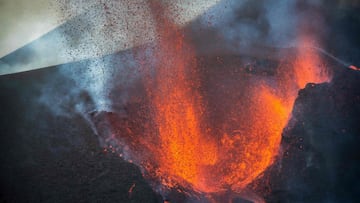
<point x="176" y="146"/>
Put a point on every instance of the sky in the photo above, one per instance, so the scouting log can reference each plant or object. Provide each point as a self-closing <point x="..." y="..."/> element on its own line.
<point x="23" y="21"/>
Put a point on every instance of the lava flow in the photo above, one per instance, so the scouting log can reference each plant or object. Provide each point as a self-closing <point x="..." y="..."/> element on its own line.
<point x="182" y="149"/>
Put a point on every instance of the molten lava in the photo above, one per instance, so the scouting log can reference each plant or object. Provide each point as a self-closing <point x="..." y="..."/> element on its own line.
<point x="183" y="149"/>
<point x="189" y="154"/>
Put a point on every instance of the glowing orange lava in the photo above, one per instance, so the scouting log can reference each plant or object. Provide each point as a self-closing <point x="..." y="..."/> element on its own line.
<point x="188" y="154"/>
<point x="184" y="150"/>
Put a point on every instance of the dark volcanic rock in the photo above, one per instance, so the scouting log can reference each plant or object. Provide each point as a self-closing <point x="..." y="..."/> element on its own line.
<point x="57" y="158"/>
<point x="320" y="157"/>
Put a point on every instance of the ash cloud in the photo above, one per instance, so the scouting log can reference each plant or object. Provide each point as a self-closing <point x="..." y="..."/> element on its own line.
<point x="103" y="31"/>
<point x="269" y="23"/>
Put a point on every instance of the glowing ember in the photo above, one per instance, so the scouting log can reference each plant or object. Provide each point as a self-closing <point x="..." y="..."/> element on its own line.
<point x="182" y="149"/>
<point x="354" y="67"/>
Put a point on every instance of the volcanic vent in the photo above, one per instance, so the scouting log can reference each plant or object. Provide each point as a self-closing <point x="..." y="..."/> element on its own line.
<point x="202" y="125"/>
